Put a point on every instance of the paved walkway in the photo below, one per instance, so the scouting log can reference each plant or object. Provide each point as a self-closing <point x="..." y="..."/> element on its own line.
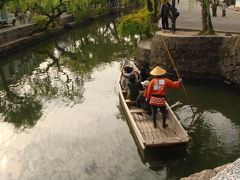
<point x="10" y="27"/>
<point x="190" y="17"/>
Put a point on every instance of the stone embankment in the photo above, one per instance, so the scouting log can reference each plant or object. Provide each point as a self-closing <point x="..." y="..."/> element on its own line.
<point x="17" y="38"/>
<point x="227" y="171"/>
<point x="215" y="58"/>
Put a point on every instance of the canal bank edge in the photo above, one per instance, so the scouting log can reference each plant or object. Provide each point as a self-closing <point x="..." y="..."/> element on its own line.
<point x="214" y="58"/>
<point x="17" y="38"/>
<point x="227" y="171"/>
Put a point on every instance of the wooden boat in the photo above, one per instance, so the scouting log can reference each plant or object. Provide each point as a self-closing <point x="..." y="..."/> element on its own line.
<point x="145" y="134"/>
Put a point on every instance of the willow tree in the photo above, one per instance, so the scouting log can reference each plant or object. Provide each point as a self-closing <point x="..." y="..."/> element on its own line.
<point x="3" y="2"/>
<point x="77" y="5"/>
<point x="52" y="9"/>
<point x="18" y="6"/>
<point x="206" y="18"/>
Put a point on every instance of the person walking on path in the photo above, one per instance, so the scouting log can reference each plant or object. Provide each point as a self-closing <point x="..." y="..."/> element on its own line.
<point x="224" y="7"/>
<point x="165" y="14"/>
<point x="28" y="14"/>
<point x="214" y="4"/>
<point x="157" y="91"/>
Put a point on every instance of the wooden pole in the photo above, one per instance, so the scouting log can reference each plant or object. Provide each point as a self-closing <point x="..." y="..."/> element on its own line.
<point x="175" y="68"/>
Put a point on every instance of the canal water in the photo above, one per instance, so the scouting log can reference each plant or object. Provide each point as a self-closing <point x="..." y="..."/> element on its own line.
<point x="61" y="117"/>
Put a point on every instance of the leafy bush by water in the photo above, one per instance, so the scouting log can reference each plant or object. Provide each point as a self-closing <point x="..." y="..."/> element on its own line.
<point x="138" y="23"/>
<point x="89" y="13"/>
<point x="40" y="21"/>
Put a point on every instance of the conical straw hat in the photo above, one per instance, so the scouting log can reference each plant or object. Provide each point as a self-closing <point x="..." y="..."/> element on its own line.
<point x="157" y="71"/>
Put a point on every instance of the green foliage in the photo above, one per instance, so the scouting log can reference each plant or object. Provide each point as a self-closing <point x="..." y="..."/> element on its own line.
<point x="17" y="6"/>
<point x="40" y="21"/>
<point x="89" y="13"/>
<point x="100" y="11"/>
<point x="138" y="23"/>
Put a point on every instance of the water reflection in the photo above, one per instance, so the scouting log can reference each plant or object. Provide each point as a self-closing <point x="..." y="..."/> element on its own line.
<point x="70" y="83"/>
<point x="215" y="132"/>
<point x="57" y="69"/>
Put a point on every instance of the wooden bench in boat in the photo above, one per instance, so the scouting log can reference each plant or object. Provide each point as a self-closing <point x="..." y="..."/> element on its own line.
<point x="129" y="102"/>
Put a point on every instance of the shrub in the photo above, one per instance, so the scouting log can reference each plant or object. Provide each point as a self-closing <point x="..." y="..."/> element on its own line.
<point x="138" y="23"/>
<point x="101" y="10"/>
<point x="40" y="21"/>
<point x="84" y="14"/>
<point x="89" y="13"/>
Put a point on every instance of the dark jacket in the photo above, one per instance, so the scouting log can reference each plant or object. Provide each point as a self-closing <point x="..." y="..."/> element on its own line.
<point x="165" y="10"/>
<point x="133" y="90"/>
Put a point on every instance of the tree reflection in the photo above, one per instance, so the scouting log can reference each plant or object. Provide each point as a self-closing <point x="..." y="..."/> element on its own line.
<point x="15" y="104"/>
<point x="57" y="70"/>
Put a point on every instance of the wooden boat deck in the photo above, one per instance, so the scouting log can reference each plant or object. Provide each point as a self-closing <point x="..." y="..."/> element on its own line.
<point x="146" y="134"/>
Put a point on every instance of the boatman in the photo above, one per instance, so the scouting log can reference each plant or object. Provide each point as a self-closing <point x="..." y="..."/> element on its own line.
<point x="157" y="91"/>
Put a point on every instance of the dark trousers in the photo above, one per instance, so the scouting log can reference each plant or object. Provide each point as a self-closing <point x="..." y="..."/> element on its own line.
<point x="163" y="110"/>
<point x="214" y="12"/>
<point x="165" y="22"/>
<point x="223" y="13"/>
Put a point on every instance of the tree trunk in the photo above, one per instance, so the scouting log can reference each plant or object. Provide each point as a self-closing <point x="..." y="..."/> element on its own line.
<point x="155" y="10"/>
<point x="204" y="17"/>
<point x="207" y="27"/>
<point x="210" y="29"/>
<point x="149" y="6"/>
<point x="2" y="2"/>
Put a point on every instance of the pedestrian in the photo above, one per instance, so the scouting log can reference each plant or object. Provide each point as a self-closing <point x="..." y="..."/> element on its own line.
<point x="144" y="71"/>
<point x="165" y="14"/>
<point x="156" y="93"/>
<point x="28" y="14"/>
<point x="224" y="7"/>
<point x="214" y="5"/>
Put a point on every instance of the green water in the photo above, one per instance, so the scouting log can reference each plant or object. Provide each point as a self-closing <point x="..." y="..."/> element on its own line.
<point x="61" y="117"/>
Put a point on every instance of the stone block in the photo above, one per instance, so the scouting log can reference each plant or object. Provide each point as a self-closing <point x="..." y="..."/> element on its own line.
<point x="203" y="175"/>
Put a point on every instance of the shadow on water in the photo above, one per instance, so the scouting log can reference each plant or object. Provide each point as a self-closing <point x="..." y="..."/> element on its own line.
<point x="165" y="161"/>
<point x="57" y="69"/>
<point x="156" y="158"/>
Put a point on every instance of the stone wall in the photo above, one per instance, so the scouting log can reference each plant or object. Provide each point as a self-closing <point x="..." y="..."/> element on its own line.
<point x="16" y="33"/>
<point x="196" y="57"/>
<point x="66" y="19"/>
<point x="15" y="39"/>
<point x="229" y="60"/>
<point x="24" y="42"/>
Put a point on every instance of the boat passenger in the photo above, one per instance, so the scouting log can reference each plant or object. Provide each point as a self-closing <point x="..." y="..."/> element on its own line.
<point x="144" y="71"/>
<point x="157" y="91"/>
<point x="126" y="72"/>
<point x="133" y="88"/>
<point x="141" y="100"/>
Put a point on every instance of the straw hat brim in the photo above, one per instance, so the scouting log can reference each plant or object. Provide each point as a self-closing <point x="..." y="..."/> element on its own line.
<point x="157" y="71"/>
